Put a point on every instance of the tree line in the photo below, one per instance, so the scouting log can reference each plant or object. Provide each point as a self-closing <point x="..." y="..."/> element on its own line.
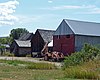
<point x="14" y="34"/>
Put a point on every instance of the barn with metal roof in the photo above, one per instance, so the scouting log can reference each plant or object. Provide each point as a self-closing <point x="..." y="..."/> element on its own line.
<point x="21" y="48"/>
<point x="71" y="35"/>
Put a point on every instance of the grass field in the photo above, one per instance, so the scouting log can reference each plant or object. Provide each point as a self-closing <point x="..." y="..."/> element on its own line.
<point x="18" y="73"/>
<point x="88" y="70"/>
<point x="20" y="70"/>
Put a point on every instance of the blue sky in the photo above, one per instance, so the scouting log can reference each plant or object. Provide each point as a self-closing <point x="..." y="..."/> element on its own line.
<point x="45" y="14"/>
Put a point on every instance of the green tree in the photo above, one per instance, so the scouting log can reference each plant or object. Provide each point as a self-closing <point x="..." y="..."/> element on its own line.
<point x="3" y="40"/>
<point x="16" y="33"/>
<point x="2" y="49"/>
<point x="6" y="40"/>
<point x="9" y="40"/>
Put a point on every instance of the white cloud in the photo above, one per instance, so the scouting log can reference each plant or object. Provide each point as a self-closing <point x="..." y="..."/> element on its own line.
<point x="24" y="19"/>
<point x="91" y="10"/>
<point x="87" y="9"/>
<point x="95" y="11"/>
<point x="50" y="1"/>
<point x="65" y="7"/>
<point x="6" y="22"/>
<point x="6" y="11"/>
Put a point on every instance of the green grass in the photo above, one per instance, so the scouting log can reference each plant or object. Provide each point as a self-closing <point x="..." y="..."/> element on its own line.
<point x="88" y="70"/>
<point x="13" y="70"/>
<point x="19" y="73"/>
<point x="29" y="65"/>
<point x="20" y="70"/>
<point x="84" y="64"/>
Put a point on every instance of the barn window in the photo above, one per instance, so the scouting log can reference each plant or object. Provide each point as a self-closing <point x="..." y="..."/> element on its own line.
<point x="57" y="36"/>
<point x="67" y="36"/>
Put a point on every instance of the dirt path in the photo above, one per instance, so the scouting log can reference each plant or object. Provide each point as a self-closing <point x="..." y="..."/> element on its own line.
<point x="35" y="60"/>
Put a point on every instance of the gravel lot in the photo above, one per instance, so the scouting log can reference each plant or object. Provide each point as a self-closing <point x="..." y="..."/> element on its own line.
<point x="36" y="60"/>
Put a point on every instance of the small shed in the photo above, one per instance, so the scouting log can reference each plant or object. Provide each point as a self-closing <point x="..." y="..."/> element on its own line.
<point x="18" y="47"/>
<point x="21" y="48"/>
<point x="26" y="36"/>
<point x="41" y="37"/>
<point x="71" y="35"/>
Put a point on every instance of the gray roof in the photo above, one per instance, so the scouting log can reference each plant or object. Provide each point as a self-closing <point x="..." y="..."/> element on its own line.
<point x="47" y="35"/>
<point x="26" y="36"/>
<point x="23" y="43"/>
<point x="81" y="27"/>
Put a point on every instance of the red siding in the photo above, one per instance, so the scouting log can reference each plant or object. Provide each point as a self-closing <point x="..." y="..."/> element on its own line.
<point x="64" y="44"/>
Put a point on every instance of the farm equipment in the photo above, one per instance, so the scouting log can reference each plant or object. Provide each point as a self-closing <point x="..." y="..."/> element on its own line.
<point x="51" y="55"/>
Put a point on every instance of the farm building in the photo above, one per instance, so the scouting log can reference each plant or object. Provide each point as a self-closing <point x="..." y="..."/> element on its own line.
<point x="41" y="37"/>
<point x="22" y="46"/>
<point x="26" y="36"/>
<point x="71" y="35"/>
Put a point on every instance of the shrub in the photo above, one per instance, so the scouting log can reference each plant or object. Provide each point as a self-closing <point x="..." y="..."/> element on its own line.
<point x="87" y="53"/>
<point x="90" y="52"/>
<point x="74" y="59"/>
<point x="8" y="54"/>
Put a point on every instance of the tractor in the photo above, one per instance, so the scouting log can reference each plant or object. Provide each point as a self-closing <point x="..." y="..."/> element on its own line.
<point x="51" y="55"/>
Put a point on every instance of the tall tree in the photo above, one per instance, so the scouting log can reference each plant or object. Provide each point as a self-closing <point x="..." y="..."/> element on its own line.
<point x="3" y="41"/>
<point x="16" y="33"/>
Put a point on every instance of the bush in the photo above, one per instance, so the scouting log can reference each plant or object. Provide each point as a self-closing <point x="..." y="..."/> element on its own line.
<point x="74" y="59"/>
<point x="84" y="64"/>
<point x="87" y="53"/>
<point x="8" y="54"/>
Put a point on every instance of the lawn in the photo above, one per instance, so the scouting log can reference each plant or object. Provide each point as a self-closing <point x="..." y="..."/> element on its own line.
<point x="18" y="73"/>
<point x="18" y="70"/>
<point x="88" y="70"/>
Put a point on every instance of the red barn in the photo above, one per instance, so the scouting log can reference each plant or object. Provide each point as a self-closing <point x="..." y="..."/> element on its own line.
<point x="71" y="35"/>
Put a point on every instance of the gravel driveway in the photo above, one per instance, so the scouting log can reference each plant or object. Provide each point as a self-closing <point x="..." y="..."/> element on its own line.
<point x="36" y="60"/>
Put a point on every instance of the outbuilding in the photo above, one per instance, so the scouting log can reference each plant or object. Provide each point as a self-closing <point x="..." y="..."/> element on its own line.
<point x="41" y="37"/>
<point x="21" y="48"/>
<point x="71" y="35"/>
